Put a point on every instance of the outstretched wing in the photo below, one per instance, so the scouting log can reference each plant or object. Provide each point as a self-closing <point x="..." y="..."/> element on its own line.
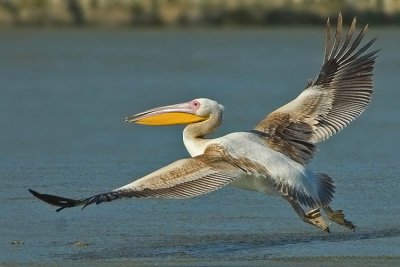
<point x="182" y="179"/>
<point x="340" y="94"/>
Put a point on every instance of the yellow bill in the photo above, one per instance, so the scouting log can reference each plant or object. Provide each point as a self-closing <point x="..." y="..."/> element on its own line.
<point x="168" y="115"/>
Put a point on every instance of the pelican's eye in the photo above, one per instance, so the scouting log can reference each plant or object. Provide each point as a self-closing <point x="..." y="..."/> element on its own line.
<point x="195" y="104"/>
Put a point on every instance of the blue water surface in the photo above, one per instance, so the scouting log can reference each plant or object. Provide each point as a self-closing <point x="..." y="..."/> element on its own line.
<point x="63" y="99"/>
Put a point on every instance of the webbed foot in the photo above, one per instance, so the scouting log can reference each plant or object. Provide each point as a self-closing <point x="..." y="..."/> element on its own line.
<point x="337" y="216"/>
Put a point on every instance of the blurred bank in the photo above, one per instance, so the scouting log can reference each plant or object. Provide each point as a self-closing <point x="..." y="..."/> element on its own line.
<point x="128" y="13"/>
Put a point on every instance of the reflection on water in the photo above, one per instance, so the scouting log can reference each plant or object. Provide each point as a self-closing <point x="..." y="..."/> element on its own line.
<point x="63" y="99"/>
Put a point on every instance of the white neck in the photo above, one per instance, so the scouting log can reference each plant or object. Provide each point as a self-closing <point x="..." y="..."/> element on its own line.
<point x="195" y="146"/>
<point x="193" y="134"/>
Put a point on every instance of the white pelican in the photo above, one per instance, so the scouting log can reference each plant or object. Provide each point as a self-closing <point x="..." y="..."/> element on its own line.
<point x="272" y="157"/>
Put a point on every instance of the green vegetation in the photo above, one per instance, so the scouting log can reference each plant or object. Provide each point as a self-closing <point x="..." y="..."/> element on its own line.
<point x="190" y="12"/>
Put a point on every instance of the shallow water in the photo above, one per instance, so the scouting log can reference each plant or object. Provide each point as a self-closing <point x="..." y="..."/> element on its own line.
<point x="63" y="99"/>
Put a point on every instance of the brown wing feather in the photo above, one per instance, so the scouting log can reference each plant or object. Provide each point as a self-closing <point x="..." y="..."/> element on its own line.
<point x="341" y="92"/>
<point x="288" y="135"/>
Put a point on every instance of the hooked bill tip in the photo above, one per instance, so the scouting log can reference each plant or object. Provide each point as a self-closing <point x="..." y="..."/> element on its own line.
<point x="129" y="119"/>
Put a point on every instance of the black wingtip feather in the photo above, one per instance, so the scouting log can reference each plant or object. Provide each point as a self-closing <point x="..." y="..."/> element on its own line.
<point x="61" y="202"/>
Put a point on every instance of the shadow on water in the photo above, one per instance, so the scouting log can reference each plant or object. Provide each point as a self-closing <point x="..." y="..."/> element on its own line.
<point x="225" y="245"/>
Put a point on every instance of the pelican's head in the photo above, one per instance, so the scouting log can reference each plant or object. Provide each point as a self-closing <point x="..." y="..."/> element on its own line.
<point x="197" y="110"/>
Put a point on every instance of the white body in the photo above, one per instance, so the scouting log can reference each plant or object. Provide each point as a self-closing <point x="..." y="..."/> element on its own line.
<point x="279" y="166"/>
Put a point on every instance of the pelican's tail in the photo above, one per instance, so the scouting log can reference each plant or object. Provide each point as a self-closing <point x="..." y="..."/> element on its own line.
<point x="326" y="188"/>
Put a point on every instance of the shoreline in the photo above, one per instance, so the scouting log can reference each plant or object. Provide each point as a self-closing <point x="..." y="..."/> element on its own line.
<point x="206" y="13"/>
<point x="278" y="261"/>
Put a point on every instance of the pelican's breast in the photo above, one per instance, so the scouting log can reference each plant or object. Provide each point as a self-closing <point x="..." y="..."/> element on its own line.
<point x="278" y="166"/>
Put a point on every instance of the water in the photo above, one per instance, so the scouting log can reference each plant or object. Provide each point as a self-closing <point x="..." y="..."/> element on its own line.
<point x="63" y="99"/>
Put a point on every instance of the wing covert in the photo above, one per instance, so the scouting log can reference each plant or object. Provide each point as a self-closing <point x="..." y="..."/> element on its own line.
<point x="184" y="178"/>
